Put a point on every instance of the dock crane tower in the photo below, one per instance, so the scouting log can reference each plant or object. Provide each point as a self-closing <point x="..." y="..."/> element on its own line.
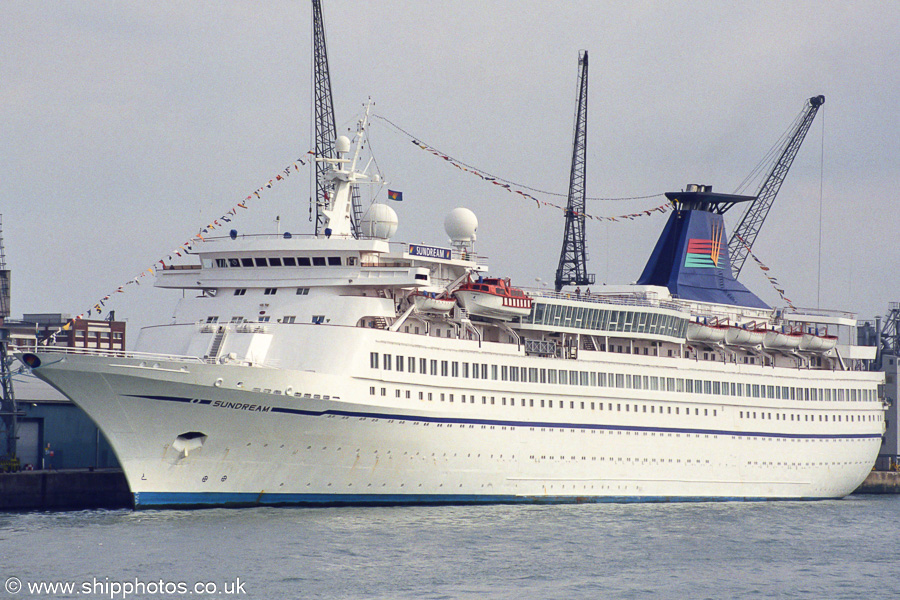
<point x="745" y="233"/>
<point x="326" y="130"/>
<point x="8" y="408"/>
<point x="572" y="269"/>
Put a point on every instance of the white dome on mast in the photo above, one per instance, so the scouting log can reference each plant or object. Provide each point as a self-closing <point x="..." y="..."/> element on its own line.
<point x="380" y="222"/>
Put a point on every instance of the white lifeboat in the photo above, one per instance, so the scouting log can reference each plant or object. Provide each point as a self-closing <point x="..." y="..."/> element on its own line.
<point x="745" y="335"/>
<point x="433" y="302"/>
<point x="810" y="342"/>
<point x="706" y="331"/>
<point x="493" y="298"/>
<point x="782" y="340"/>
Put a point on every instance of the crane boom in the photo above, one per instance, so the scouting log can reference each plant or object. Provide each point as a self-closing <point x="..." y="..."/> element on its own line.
<point x="572" y="269"/>
<point x="326" y="131"/>
<point x="745" y="233"/>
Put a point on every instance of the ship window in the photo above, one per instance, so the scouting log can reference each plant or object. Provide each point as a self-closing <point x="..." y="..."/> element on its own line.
<point x="303" y="261"/>
<point x="387" y="362"/>
<point x="231" y="262"/>
<point x="411" y="364"/>
<point x="289" y="319"/>
<point x="302" y="291"/>
<point x="429" y="396"/>
<point x="455" y="369"/>
<point x="221" y="263"/>
<point x="384" y="391"/>
<point x="318" y="319"/>
<point x="451" y="397"/>
<point x="707" y="387"/>
<point x="240" y="292"/>
<point x="289" y="261"/>
<point x="465" y="370"/>
<point x="444" y="368"/>
<point x="270" y="291"/>
<point x="208" y="320"/>
<point x="423" y="363"/>
<point x="533" y="375"/>
<point x="434" y="369"/>
<point x="400" y="363"/>
<point x="237" y="319"/>
<point x="620" y="380"/>
<point x="246" y="262"/>
<point x="334" y="261"/>
<point x="318" y="261"/>
<point x="372" y="390"/>
<point x="264" y="319"/>
<point x="542" y="404"/>
<point x="275" y="262"/>
<point x="261" y="262"/>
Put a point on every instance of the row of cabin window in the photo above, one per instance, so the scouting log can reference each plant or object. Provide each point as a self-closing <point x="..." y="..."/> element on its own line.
<point x="265" y="319"/>
<point x="600" y="319"/>
<point x="615" y="380"/>
<point x="806" y="418"/>
<point x="285" y="261"/>
<point x="271" y="291"/>
<point x="544" y="403"/>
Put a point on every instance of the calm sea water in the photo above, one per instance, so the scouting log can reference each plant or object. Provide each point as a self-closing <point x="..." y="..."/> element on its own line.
<point x="829" y="549"/>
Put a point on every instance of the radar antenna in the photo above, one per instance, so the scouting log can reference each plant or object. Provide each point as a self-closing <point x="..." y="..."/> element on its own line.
<point x="572" y="269"/>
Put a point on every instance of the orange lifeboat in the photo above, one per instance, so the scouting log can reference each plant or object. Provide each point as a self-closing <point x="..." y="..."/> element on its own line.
<point x="493" y="298"/>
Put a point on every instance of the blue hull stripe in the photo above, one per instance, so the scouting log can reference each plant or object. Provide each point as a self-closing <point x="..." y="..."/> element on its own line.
<point x="244" y="499"/>
<point x="558" y="425"/>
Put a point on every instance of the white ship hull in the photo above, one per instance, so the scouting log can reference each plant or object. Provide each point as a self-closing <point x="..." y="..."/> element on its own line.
<point x="265" y="447"/>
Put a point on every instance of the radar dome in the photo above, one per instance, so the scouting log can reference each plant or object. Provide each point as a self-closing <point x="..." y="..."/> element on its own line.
<point x="461" y="224"/>
<point x="342" y="144"/>
<point x="380" y="222"/>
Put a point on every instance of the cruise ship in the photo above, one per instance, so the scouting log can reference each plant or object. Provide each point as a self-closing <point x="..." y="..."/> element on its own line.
<point x="335" y="370"/>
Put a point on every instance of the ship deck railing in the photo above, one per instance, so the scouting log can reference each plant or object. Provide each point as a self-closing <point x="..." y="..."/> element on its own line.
<point x="104" y="352"/>
<point x="617" y="299"/>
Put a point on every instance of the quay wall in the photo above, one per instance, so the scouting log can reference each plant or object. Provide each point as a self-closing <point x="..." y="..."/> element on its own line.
<point x="70" y="489"/>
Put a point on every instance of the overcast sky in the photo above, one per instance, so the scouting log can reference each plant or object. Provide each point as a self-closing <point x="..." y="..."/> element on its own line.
<point x="127" y="126"/>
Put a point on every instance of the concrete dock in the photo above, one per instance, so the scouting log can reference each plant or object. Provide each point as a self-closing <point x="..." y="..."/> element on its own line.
<point x="880" y="482"/>
<point x="68" y="489"/>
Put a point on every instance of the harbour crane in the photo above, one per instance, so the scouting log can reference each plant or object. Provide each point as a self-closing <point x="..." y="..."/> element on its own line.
<point x="326" y="130"/>
<point x="754" y="216"/>
<point x="572" y="269"/>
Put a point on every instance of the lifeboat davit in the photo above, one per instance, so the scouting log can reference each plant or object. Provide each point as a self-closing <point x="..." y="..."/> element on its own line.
<point x="493" y="298"/>
<point x="433" y="302"/>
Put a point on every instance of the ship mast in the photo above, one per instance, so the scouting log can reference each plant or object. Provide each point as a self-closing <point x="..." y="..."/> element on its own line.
<point x="572" y="269"/>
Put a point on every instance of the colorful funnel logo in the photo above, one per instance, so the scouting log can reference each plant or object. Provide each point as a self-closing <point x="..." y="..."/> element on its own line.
<point x="705" y="253"/>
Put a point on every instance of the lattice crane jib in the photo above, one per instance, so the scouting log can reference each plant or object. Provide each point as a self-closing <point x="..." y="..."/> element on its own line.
<point x="744" y="235"/>
<point x="572" y="269"/>
<point x="323" y="108"/>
